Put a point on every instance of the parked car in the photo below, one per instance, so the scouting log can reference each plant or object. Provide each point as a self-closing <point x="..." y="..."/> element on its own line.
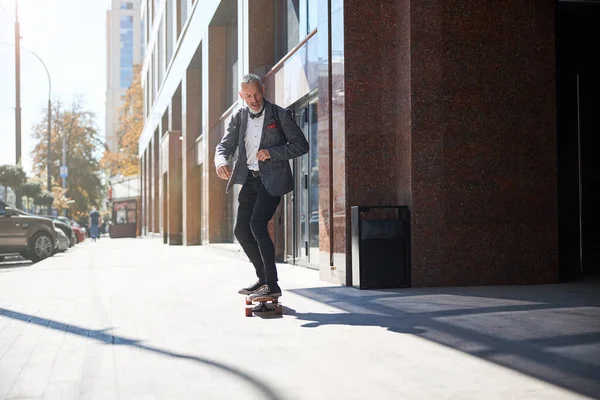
<point x="79" y="232"/>
<point x="65" y="227"/>
<point x="63" y="241"/>
<point x="30" y="236"/>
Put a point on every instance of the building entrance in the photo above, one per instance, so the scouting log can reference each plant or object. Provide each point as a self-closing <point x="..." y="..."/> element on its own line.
<point x="302" y="206"/>
<point x="578" y="103"/>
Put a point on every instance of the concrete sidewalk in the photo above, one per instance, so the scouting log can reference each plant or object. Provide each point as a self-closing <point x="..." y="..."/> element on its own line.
<point x="135" y="319"/>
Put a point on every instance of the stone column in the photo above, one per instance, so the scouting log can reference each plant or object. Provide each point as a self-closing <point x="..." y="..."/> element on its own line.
<point x="213" y="62"/>
<point x="259" y="36"/>
<point x="173" y="217"/>
<point x="156" y="177"/>
<point x="191" y="98"/>
<point x="149" y="188"/>
<point x="462" y="129"/>
<point x="142" y="205"/>
<point x="174" y="193"/>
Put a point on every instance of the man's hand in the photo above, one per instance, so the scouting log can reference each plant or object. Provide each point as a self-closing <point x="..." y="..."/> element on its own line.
<point x="263" y="155"/>
<point x="224" y="172"/>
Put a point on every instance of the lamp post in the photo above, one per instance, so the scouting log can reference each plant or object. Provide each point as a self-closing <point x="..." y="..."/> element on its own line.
<point x="17" y="97"/>
<point x="49" y="156"/>
<point x="49" y="183"/>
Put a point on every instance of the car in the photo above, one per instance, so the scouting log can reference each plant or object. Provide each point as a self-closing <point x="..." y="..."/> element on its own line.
<point x="63" y="241"/>
<point x="79" y="232"/>
<point x="30" y="236"/>
<point x="66" y="228"/>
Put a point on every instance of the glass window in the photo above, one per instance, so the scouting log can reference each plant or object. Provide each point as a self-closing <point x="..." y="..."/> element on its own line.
<point x="309" y="14"/>
<point x="143" y="36"/>
<point x="169" y="30"/>
<point x="293" y="23"/>
<point x="131" y="216"/>
<point x="312" y="15"/>
<point x="126" y="51"/>
<point x="126" y="77"/>
<point x="154" y="74"/>
<point x="160" y="55"/>
<point x="125" y="5"/>
<point x="122" y="216"/>
<point x="287" y="26"/>
<point x="183" y="13"/>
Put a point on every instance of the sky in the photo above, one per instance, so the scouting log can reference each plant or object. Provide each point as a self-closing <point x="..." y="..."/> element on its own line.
<point x="70" y="37"/>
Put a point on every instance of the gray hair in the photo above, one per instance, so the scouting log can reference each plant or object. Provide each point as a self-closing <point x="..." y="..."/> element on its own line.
<point x="251" y="78"/>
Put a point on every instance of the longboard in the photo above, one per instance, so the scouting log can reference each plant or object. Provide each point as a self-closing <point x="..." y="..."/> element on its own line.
<point x="268" y="306"/>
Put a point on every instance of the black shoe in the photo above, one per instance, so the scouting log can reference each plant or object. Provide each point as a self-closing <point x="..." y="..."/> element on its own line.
<point x="266" y="291"/>
<point x="252" y="288"/>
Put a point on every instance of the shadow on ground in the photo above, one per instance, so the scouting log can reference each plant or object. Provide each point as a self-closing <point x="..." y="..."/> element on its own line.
<point x="105" y="336"/>
<point x="550" y="332"/>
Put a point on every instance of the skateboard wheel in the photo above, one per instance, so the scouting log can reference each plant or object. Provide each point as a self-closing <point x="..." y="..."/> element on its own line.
<point x="248" y="312"/>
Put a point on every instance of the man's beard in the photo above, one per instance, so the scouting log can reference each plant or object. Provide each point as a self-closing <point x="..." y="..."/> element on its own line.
<point x="257" y="109"/>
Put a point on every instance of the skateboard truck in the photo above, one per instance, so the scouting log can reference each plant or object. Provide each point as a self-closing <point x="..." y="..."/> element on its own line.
<point x="267" y="306"/>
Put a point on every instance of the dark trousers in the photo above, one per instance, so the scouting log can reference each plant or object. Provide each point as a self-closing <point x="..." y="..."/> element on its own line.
<point x="256" y="208"/>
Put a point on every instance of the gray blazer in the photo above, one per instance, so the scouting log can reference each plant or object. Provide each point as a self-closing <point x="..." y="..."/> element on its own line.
<point x="280" y="135"/>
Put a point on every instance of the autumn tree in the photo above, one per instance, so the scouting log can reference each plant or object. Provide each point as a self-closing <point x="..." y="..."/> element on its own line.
<point x="77" y="126"/>
<point x="61" y="200"/>
<point x="131" y="122"/>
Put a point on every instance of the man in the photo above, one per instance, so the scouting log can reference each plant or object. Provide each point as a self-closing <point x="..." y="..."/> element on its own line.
<point x="266" y="138"/>
<point x="94" y="222"/>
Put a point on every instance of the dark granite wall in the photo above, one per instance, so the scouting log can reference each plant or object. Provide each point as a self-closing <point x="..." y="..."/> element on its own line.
<point x="450" y="108"/>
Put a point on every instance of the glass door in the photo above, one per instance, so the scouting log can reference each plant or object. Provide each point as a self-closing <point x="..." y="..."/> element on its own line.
<point x="302" y="206"/>
<point x="313" y="185"/>
<point x="302" y="214"/>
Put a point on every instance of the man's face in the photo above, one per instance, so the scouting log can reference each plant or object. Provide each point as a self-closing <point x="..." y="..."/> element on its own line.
<point x="252" y="94"/>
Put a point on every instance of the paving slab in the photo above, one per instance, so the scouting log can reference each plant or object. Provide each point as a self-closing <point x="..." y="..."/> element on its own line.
<point x="136" y="319"/>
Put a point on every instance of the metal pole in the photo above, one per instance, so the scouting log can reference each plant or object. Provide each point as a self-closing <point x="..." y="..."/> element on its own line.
<point x="64" y="162"/>
<point x="580" y="179"/>
<point x="18" y="97"/>
<point x="18" y="85"/>
<point x="49" y="156"/>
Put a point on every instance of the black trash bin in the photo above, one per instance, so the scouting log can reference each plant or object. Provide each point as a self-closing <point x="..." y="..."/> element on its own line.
<point x="380" y="247"/>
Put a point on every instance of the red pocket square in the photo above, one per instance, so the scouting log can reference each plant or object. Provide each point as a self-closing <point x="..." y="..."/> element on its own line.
<point x="273" y="125"/>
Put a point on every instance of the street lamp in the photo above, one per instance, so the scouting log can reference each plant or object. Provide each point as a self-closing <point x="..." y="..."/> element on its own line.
<point x="49" y="158"/>
<point x="49" y="183"/>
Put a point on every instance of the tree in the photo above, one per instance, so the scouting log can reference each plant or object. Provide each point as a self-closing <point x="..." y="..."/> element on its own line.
<point x="13" y="176"/>
<point x="83" y="145"/>
<point x="61" y="201"/>
<point x="131" y="122"/>
<point x="31" y="190"/>
<point x="45" y="199"/>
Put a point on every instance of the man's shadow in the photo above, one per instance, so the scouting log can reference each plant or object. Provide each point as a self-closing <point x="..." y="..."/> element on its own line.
<point x="315" y="320"/>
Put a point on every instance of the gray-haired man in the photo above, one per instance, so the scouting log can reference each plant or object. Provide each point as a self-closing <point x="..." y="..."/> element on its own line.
<point x="266" y="138"/>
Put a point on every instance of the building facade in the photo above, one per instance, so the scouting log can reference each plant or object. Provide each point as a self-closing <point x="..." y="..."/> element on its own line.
<point x="124" y="49"/>
<point x="449" y="108"/>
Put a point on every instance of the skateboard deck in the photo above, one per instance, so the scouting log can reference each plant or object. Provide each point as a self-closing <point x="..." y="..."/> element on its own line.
<point x="267" y="306"/>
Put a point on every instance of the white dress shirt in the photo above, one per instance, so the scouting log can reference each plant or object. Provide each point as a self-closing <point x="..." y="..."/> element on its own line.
<point x="253" y="136"/>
